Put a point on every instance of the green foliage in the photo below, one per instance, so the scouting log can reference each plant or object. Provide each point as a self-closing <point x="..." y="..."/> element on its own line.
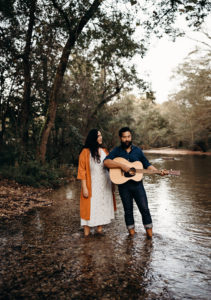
<point x="34" y="174"/>
<point x="189" y="110"/>
<point x="151" y="128"/>
<point x="8" y="156"/>
<point x="93" y="79"/>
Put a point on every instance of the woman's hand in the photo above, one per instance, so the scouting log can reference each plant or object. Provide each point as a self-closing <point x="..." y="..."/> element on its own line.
<point x="85" y="192"/>
<point x="84" y="189"/>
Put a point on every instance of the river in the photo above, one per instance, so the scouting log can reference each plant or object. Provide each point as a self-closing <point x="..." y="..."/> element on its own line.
<point x="44" y="255"/>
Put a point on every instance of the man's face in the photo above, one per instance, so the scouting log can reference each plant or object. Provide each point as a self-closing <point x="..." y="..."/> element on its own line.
<point x="126" y="139"/>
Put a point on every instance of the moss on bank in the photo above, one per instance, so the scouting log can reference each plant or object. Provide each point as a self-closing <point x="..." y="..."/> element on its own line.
<point x="37" y="175"/>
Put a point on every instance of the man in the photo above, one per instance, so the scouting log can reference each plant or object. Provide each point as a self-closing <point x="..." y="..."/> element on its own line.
<point x="131" y="189"/>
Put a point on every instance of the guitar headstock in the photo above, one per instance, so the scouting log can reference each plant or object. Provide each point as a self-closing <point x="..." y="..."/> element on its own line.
<point x="174" y="172"/>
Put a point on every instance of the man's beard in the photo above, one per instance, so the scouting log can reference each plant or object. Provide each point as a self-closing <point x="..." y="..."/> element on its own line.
<point x="126" y="145"/>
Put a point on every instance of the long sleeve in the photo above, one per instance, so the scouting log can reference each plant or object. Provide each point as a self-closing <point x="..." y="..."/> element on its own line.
<point x="144" y="160"/>
<point x="82" y="172"/>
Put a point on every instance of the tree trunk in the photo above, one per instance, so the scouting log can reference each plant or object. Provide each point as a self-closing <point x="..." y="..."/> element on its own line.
<point x="26" y="104"/>
<point x="2" y="130"/>
<point x="192" y="133"/>
<point x="4" y="109"/>
<point x="103" y="101"/>
<point x="73" y="36"/>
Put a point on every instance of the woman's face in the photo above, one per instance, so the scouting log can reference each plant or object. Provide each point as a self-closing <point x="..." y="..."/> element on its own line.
<point x="99" y="138"/>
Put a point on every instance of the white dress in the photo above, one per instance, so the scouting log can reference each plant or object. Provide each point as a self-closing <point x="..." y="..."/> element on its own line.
<point x="102" y="208"/>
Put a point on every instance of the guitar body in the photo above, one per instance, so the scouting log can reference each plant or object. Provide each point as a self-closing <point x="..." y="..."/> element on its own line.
<point x="117" y="176"/>
<point x="136" y="171"/>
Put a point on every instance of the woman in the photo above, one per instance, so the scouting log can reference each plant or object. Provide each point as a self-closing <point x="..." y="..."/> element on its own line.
<point x="97" y="203"/>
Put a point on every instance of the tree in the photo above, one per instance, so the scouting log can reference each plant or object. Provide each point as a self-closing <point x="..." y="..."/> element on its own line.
<point x="26" y="103"/>
<point x="16" y="65"/>
<point x="192" y="102"/>
<point x="74" y="28"/>
<point x="103" y="31"/>
<point x="151" y="127"/>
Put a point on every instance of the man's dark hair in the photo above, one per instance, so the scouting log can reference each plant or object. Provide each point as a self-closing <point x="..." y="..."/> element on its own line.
<point x="124" y="129"/>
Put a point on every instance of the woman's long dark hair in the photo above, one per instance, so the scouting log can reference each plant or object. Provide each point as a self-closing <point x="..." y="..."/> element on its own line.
<point x="92" y="144"/>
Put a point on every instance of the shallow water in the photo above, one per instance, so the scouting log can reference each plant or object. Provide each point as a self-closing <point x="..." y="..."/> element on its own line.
<point x="45" y="256"/>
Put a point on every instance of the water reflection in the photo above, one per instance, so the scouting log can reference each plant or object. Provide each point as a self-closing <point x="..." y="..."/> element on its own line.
<point x="44" y="255"/>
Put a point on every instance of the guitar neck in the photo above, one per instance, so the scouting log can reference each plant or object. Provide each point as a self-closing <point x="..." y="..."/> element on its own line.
<point x="169" y="172"/>
<point x="145" y="171"/>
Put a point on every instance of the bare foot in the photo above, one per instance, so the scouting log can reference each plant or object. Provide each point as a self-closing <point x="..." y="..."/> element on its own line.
<point x="99" y="229"/>
<point x="132" y="231"/>
<point x="86" y="230"/>
<point x="149" y="232"/>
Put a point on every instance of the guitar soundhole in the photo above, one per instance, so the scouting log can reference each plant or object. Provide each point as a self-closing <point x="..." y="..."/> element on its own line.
<point x="131" y="173"/>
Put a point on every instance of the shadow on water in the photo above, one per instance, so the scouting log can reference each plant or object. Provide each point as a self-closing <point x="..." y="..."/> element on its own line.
<point x="45" y="256"/>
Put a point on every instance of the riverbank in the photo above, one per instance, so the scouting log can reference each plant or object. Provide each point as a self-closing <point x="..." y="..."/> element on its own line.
<point x="173" y="151"/>
<point x="17" y="199"/>
<point x="44" y="254"/>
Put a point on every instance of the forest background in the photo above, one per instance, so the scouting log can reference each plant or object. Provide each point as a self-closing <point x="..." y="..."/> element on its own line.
<point x="66" y="67"/>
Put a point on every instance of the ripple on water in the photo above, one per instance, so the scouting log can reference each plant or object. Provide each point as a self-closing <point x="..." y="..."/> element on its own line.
<point x="45" y="255"/>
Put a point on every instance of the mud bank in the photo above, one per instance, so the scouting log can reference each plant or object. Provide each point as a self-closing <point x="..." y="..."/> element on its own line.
<point x="17" y="199"/>
<point x="172" y="151"/>
<point x="44" y="255"/>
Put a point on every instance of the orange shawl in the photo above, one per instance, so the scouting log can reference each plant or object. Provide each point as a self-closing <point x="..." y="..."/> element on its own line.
<point x="85" y="173"/>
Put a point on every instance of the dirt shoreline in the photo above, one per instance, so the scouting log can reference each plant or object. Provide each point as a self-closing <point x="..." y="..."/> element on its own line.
<point x="172" y="151"/>
<point x="17" y="199"/>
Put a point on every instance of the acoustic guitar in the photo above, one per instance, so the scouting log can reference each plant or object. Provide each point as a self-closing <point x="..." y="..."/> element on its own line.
<point x="136" y="171"/>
